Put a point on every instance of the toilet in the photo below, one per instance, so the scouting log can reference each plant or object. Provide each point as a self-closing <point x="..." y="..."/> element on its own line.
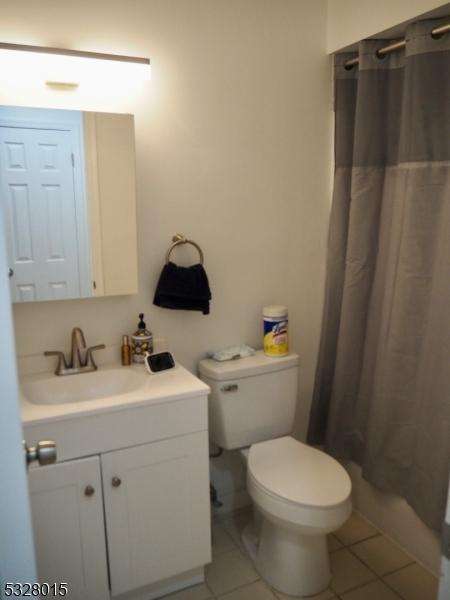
<point x="300" y="493"/>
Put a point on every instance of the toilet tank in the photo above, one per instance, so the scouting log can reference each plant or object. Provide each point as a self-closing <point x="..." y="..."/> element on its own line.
<point x="252" y="399"/>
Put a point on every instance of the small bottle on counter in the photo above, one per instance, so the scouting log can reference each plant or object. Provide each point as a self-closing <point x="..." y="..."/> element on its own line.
<point x="141" y="341"/>
<point x="126" y="351"/>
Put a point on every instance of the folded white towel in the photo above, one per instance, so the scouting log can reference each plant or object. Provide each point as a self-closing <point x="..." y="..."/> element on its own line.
<point x="232" y="352"/>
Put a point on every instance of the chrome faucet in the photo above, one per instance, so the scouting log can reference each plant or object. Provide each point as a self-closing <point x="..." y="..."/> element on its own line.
<point x="75" y="357"/>
<point x="78" y="363"/>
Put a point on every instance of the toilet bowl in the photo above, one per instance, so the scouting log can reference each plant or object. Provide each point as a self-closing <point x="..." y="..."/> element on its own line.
<point x="300" y="494"/>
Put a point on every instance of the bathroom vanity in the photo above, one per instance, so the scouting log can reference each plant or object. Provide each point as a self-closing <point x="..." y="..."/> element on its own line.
<point x="124" y="511"/>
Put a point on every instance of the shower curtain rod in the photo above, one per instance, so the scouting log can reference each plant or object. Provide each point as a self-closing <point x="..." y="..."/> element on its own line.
<point x="437" y="32"/>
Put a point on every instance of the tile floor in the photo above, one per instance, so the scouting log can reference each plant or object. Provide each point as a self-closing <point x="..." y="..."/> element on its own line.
<point x="365" y="564"/>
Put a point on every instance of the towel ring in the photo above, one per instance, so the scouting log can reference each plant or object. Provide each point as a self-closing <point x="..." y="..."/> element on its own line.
<point x="180" y="239"/>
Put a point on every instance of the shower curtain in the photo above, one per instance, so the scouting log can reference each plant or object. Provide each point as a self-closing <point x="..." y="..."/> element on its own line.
<point x="382" y="392"/>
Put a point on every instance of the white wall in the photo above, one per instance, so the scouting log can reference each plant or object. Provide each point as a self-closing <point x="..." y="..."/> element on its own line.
<point x="352" y="20"/>
<point x="233" y="146"/>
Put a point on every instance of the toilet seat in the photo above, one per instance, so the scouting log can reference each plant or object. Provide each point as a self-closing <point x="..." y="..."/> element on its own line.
<point x="298" y="486"/>
<point x="297" y="473"/>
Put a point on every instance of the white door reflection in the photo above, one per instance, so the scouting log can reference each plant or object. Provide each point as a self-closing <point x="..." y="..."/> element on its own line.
<point x="67" y="191"/>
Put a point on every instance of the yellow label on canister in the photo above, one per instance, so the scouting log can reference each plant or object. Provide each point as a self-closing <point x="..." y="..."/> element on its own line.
<point x="276" y="336"/>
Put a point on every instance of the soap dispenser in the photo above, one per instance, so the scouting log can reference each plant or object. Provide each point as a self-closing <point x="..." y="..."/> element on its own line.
<point x="141" y="341"/>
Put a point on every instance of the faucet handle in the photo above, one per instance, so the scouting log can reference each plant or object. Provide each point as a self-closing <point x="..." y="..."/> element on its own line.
<point x="61" y="364"/>
<point x="89" y="356"/>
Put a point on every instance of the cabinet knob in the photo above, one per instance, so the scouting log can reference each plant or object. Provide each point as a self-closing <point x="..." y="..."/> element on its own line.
<point x="116" y="481"/>
<point x="89" y="491"/>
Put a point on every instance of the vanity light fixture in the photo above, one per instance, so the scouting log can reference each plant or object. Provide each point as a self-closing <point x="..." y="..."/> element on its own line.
<point x="61" y="67"/>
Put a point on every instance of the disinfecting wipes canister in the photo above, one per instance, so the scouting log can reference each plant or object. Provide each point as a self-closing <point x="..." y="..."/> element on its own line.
<point x="275" y="330"/>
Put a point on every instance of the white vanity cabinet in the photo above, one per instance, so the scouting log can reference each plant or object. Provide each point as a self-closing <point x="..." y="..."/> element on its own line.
<point x="155" y="509"/>
<point x="67" y="511"/>
<point x="126" y="510"/>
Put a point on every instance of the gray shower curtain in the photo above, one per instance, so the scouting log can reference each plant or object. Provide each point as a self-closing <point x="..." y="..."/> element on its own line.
<point x="382" y="393"/>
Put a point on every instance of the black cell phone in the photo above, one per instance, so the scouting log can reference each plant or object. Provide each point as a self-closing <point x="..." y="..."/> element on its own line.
<point x="161" y="361"/>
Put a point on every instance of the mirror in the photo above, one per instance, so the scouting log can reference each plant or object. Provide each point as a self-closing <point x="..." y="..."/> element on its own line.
<point x="67" y="189"/>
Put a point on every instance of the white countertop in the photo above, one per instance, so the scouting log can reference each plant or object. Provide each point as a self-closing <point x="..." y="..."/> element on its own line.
<point x="168" y="386"/>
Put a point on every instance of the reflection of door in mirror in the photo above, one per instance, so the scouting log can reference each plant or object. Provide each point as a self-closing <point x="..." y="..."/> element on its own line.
<point x="43" y="196"/>
<point x="67" y="190"/>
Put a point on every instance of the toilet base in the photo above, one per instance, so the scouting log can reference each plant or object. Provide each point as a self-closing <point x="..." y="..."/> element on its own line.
<point x="292" y="563"/>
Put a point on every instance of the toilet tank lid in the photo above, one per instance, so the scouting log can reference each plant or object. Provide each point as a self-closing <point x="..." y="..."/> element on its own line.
<point x="246" y="367"/>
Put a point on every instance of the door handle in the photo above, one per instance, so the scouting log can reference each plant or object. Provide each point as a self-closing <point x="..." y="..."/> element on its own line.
<point x="10" y="272"/>
<point x="44" y="452"/>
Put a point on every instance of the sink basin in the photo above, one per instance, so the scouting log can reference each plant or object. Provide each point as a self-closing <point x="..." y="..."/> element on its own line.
<point x="50" y="389"/>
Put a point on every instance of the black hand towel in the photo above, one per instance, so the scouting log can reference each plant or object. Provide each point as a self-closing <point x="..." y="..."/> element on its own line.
<point x="183" y="288"/>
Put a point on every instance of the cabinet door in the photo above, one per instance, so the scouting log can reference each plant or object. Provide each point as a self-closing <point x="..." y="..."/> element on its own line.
<point x="157" y="510"/>
<point x="68" y="527"/>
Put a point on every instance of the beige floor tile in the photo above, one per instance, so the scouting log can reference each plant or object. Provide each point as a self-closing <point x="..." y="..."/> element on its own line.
<point x="376" y="590"/>
<point x="333" y="543"/>
<point x="355" y="530"/>
<point x="413" y="583"/>
<point x="325" y="595"/>
<point x="221" y="540"/>
<point x="254" y="591"/>
<point x="229" y="571"/>
<point x="381" y="555"/>
<point x="197" y="592"/>
<point x="348" y="571"/>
